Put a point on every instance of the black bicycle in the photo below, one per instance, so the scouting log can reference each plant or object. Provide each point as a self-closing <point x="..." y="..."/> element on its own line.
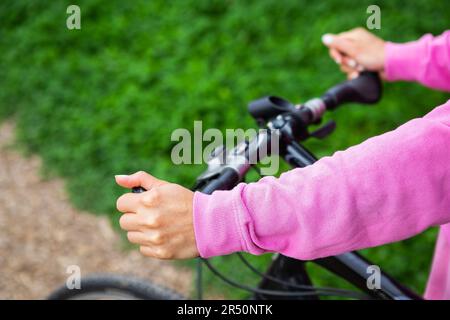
<point x="286" y="278"/>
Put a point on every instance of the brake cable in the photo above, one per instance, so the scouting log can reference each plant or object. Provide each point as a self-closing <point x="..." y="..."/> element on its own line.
<point x="270" y="292"/>
<point x="298" y="286"/>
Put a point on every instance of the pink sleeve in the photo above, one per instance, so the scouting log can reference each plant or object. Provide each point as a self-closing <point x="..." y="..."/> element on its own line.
<point x="386" y="189"/>
<point x="426" y="61"/>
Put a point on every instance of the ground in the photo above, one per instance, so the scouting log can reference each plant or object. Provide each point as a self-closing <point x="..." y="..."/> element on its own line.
<point x="41" y="234"/>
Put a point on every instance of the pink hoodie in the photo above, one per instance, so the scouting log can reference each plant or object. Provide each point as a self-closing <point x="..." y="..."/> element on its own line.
<point x="386" y="189"/>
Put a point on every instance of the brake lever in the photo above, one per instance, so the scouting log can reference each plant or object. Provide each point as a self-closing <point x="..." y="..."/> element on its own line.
<point x="325" y="130"/>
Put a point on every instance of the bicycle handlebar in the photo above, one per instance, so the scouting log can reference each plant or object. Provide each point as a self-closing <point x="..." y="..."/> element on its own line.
<point x="276" y="113"/>
<point x="227" y="179"/>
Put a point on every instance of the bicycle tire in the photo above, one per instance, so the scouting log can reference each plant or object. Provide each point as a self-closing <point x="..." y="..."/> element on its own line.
<point x="115" y="287"/>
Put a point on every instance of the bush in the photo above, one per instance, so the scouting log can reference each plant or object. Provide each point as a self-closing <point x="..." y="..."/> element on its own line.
<point x="104" y="100"/>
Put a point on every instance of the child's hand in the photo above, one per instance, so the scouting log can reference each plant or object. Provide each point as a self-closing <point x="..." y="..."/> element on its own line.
<point x="356" y="50"/>
<point x="160" y="219"/>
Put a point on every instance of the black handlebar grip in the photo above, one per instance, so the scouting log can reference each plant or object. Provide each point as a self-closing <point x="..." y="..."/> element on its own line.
<point x="138" y="189"/>
<point x="226" y="181"/>
<point x="366" y="88"/>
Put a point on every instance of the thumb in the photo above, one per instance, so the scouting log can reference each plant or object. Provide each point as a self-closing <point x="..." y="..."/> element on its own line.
<point x="138" y="179"/>
<point x="340" y="43"/>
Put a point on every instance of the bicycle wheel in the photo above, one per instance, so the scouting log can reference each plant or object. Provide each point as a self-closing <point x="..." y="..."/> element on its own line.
<point x="114" y="287"/>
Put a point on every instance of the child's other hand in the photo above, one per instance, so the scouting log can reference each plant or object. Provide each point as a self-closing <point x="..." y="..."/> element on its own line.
<point x="356" y="50"/>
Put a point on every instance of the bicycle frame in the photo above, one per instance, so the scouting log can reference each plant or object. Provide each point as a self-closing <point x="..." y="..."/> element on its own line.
<point x="351" y="266"/>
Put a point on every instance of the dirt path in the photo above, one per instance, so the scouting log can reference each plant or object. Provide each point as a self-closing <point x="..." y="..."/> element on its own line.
<point x="40" y="236"/>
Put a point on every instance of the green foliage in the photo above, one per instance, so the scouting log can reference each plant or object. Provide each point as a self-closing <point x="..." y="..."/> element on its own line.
<point x="104" y="100"/>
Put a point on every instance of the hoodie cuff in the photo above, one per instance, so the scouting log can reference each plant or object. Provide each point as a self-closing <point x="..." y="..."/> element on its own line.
<point x="216" y="224"/>
<point x="402" y="59"/>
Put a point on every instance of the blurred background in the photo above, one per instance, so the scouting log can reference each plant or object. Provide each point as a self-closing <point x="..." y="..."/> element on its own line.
<point x="104" y="100"/>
